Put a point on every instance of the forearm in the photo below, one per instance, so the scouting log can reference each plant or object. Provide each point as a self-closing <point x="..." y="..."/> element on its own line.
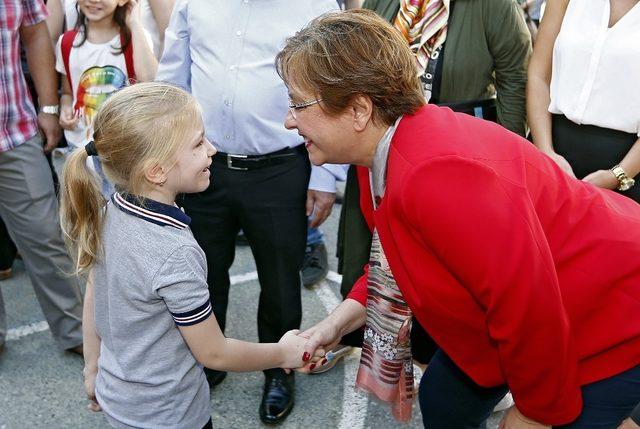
<point x="161" y="10"/>
<point x="631" y="162"/>
<point x="255" y="356"/>
<point x="144" y="61"/>
<point x="90" y="339"/>
<point x="538" y="99"/>
<point x="347" y="317"/>
<point x="40" y="59"/>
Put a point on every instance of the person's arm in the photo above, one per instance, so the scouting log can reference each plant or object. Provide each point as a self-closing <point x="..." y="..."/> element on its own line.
<point x="630" y="164"/>
<point x="633" y="422"/>
<point x="55" y="21"/>
<point x="509" y="41"/>
<point x="322" y="191"/>
<point x="175" y="66"/>
<point x="144" y="61"/>
<point x="182" y="284"/>
<point x="161" y="10"/>
<point x="91" y="346"/>
<point x="347" y="317"/>
<point x="36" y="41"/>
<point x="539" y="82"/>
<point x="503" y="260"/>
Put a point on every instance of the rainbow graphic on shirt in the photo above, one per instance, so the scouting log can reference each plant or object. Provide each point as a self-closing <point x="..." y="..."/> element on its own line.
<point x="95" y="86"/>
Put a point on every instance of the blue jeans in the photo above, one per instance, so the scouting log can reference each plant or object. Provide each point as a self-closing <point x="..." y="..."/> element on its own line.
<point x="450" y="399"/>
<point x="314" y="236"/>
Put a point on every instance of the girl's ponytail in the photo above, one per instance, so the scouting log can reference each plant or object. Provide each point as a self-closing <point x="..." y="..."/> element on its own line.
<point x="82" y="209"/>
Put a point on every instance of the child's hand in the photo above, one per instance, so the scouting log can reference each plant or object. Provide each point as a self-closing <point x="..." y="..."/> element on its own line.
<point x="133" y="13"/>
<point x="68" y="120"/>
<point x="90" y="388"/>
<point x="292" y="349"/>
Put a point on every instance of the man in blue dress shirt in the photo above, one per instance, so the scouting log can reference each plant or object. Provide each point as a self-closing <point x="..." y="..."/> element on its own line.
<point x="262" y="182"/>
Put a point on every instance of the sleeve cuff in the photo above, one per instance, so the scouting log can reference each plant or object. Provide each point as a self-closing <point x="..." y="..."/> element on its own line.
<point x="359" y="290"/>
<point x="322" y="180"/>
<point x="193" y="317"/>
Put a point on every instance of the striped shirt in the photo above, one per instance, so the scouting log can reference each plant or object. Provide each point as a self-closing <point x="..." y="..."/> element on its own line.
<point x="18" y="121"/>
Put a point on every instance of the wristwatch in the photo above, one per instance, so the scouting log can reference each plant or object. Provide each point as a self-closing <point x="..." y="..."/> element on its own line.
<point x="52" y="110"/>
<point x="625" y="181"/>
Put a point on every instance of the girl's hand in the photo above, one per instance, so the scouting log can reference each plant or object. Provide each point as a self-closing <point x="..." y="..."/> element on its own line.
<point x="602" y="179"/>
<point x="133" y="14"/>
<point x="628" y="424"/>
<point x="513" y="419"/>
<point x="292" y="350"/>
<point x="562" y="163"/>
<point x="68" y="120"/>
<point x="90" y="389"/>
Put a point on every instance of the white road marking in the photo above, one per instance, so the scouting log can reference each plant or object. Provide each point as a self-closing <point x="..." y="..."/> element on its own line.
<point x="23" y="331"/>
<point x="354" y="403"/>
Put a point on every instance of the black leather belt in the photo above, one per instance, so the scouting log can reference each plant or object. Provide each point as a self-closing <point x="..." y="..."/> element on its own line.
<point x="483" y="109"/>
<point x="251" y="162"/>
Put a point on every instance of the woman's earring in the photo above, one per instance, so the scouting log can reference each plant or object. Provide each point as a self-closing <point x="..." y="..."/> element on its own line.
<point x="162" y="182"/>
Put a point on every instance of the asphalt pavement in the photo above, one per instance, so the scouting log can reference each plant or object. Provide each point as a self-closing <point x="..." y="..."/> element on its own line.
<point x="41" y="385"/>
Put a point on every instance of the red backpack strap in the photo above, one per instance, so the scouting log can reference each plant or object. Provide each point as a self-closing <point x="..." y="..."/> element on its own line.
<point x="65" y="47"/>
<point x="128" y="59"/>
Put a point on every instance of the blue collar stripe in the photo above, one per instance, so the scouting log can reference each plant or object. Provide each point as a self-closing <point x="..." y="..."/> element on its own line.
<point x="158" y="213"/>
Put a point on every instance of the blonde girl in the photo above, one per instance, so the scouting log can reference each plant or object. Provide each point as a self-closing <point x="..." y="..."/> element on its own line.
<point x="148" y="324"/>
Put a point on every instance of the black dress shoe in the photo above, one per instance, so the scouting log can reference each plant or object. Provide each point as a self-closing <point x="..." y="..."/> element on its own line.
<point x="214" y="377"/>
<point x="278" y="398"/>
<point x="315" y="264"/>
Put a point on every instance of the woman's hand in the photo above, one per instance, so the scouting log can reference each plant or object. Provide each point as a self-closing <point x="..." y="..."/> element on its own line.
<point x="562" y="163"/>
<point x="513" y="419"/>
<point x="602" y="179"/>
<point x="90" y="388"/>
<point x="292" y="347"/>
<point x="133" y="14"/>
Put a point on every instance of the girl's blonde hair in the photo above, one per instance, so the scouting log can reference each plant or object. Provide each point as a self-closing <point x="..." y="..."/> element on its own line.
<point x="136" y="128"/>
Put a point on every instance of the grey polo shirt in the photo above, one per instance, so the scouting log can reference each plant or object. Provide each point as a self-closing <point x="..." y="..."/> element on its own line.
<point x="151" y="278"/>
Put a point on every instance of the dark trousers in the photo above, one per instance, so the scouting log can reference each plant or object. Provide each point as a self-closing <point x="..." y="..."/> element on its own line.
<point x="268" y="204"/>
<point x="588" y="148"/>
<point x="7" y="248"/>
<point x="449" y="399"/>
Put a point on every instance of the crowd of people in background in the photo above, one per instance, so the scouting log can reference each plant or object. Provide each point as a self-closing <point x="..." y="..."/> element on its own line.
<point x="560" y="73"/>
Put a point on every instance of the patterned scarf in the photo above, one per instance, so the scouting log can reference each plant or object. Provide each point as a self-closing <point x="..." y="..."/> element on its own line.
<point x="386" y="365"/>
<point x="423" y="23"/>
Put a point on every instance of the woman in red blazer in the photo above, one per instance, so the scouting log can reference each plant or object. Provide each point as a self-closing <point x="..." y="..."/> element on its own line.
<point x="528" y="279"/>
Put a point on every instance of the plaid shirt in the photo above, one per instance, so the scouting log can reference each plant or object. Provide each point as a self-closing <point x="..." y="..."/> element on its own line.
<point x="18" y="121"/>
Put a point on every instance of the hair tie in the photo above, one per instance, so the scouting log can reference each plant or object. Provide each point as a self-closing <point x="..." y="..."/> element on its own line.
<point x="91" y="149"/>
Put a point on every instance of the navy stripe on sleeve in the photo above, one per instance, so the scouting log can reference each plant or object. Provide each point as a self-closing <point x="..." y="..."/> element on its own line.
<point x="193" y="317"/>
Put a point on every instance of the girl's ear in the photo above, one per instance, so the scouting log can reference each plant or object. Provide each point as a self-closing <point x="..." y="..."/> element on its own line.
<point x="155" y="174"/>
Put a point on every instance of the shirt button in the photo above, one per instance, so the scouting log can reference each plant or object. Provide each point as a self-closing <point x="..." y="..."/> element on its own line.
<point x="227" y="137"/>
<point x="238" y="33"/>
<point x="232" y="68"/>
<point x="227" y="103"/>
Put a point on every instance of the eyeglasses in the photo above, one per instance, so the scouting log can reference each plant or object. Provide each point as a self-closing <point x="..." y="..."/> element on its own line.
<point x="293" y="108"/>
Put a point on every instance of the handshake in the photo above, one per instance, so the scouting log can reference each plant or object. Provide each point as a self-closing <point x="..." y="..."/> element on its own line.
<point x="301" y="351"/>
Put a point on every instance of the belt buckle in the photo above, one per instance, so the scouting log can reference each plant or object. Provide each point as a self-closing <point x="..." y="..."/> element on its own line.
<point x="230" y="162"/>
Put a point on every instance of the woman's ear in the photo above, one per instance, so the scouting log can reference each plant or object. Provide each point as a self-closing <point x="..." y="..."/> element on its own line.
<point x="362" y="108"/>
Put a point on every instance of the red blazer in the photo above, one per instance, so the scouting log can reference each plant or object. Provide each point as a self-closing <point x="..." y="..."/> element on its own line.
<point x="521" y="274"/>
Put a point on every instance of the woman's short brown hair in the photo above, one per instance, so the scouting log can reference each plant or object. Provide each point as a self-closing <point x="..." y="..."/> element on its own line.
<point x="343" y="54"/>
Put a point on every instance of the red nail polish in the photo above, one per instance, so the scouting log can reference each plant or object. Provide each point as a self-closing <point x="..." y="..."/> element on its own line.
<point x="306" y="356"/>
<point x="313" y="365"/>
<point x="323" y="361"/>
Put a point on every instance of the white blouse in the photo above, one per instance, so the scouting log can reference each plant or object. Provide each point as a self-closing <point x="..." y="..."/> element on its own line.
<point x="595" y="76"/>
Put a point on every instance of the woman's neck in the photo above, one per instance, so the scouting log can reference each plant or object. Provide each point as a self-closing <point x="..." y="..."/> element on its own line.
<point x="102" y="31"/>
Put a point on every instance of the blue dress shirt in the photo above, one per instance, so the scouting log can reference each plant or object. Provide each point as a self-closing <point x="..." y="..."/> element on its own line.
<point x="223" y="52"/>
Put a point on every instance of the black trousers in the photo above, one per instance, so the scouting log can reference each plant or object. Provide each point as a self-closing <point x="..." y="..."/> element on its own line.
<point x="7" y="248"/>
<point x="588" y="148"/>
<point x="268" y="204"/>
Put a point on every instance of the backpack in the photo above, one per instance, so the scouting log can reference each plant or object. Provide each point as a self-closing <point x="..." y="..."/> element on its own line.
<point x="67" y="43"/>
